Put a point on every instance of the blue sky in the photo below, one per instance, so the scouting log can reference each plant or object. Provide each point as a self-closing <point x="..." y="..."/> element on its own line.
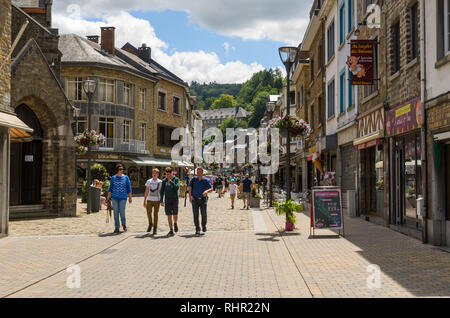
<point x="174" y="28"/>
<point x="226" y="41"/>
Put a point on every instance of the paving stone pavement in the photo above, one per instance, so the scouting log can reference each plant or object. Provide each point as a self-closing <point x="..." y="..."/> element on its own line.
<point x="220" y="217"/>
<point x="233" y="260"/>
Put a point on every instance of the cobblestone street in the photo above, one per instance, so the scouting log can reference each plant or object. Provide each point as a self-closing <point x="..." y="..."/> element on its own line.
<point x="244" y="254"/>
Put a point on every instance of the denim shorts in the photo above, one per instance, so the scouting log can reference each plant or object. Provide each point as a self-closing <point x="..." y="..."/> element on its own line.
<point x="171" y="207"/>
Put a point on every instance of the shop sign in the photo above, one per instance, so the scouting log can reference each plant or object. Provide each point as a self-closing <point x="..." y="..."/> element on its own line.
<point x="369" y="144"/>
<point x="404" y="118"/>
<point x="361" y="62"/>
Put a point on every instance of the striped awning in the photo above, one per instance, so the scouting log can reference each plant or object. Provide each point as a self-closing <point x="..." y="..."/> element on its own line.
<point x="19" y="131"/>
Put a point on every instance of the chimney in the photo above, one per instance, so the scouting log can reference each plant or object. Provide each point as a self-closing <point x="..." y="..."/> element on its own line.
<point x="108" y="39"/>
<point x="145" y="53"/>
<point x="93" y="38"/>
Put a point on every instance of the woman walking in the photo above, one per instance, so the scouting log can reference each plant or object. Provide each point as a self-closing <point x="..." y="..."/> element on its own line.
<point x="119" y="190"/>
<point x="233" y="188"/>
<point x="152" y="199"/>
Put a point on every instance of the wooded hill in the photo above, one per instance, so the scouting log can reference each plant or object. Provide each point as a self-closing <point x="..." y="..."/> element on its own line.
<point x="252" y="95"/>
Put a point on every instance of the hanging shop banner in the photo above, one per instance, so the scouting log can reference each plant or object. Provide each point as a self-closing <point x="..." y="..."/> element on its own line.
<point x="404" y="118"/>
<point x="326" y="208"/>
<point x="361" y="62"/>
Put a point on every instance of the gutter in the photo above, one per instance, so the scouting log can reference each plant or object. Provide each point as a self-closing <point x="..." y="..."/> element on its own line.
<point x="423" y="129"/>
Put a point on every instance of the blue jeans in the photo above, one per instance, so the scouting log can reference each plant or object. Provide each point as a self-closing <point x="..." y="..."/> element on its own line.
<point x="119" y="209"/>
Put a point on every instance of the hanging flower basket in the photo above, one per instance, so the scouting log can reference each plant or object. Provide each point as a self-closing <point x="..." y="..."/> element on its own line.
<point x="88" y="139"/>
<point x="296" y="126"/>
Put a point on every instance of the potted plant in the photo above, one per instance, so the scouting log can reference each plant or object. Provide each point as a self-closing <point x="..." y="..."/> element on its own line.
<point x="88" y="139"/>
<point x="288" y="208"/>
<point x="296" y="126"/>
<point x="255" y="199"/>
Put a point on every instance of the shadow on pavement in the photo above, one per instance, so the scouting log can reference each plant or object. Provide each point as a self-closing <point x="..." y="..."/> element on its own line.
<point x="270" y="237"/>
<point x="108" y="234"/>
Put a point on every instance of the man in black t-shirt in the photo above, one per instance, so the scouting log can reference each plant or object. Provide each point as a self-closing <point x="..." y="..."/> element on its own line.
<point x="246" y="190"/>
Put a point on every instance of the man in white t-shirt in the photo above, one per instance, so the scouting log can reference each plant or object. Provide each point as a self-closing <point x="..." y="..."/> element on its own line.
<point x="152" y="199"/>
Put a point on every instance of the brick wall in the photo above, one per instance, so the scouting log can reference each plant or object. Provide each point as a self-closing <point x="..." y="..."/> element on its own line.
<point x="5" y="44"/>
<point x="33" y="84"/>
<point x="405" y="84"/>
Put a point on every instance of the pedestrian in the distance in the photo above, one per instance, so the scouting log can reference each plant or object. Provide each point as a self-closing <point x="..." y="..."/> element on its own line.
<point x="246" y="190"/>
<point x="119" y="191"/>
<point x="199" y="187"/>
<point x="233" y="188"/>
<point x="152" y="199"/>
<point x="169" y="191"/>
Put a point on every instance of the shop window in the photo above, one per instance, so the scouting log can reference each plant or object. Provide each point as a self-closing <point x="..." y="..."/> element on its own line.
<point x="395" y="44"/>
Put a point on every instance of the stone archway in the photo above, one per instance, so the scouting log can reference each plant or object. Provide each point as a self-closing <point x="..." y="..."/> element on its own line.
<point x="26" y="162"/>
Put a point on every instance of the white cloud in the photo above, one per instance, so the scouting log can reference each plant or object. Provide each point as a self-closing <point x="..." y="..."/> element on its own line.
<point x="226" y="46"/>
<point x="280" y="20"/>
<point x="190" y="66"/>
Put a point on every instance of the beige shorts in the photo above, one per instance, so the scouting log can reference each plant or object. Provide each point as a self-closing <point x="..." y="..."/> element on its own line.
<point x="246" y="195"/>
<point x="233" y="196"/>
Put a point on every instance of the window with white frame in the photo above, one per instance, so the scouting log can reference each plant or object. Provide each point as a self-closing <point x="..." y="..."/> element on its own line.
<point x="447" y="26"/>
<point x="75" y="89"/>
<point x="127" y="93"/>
<point x="106" y="128"/>
<point x="176" y="105"/>
<point x="330" y="41"/>
<point x="81" y="125"/>
<point x="143" y="132"/>
<point x="331" y="98"/>
<point x="142" y="97"/>
<point x="350" y="15"/>
<point x="106" y="90"/>
<point x="126" y="133"/>
<point x="161" y="100"/>
<point x="342" y="23"/>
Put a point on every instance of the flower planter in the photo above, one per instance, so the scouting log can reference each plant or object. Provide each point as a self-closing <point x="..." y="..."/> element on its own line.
<point x="289" y="226"/>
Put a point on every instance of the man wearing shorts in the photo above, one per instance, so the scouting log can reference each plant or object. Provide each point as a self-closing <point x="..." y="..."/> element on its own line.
<point x="169" y="190"/>
<point x="246" y="191"/>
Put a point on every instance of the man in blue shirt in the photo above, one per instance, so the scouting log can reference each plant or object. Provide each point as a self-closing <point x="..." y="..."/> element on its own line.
<point x="246" y="190"/>
<point x="199" y="187"/>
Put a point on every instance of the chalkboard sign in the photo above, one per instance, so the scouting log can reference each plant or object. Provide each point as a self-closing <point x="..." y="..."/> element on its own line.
<point x="326" y="208"/>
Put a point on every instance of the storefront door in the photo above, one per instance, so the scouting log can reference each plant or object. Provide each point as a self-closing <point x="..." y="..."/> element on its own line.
<point x="408" y="180"/>
<point x="447" y="180"/>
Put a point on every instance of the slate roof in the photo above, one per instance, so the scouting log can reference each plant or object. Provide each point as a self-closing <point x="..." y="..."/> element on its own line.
<point x="223" y="113"/>
<point x="78" y="50"/>
<point x="156" y="66"/>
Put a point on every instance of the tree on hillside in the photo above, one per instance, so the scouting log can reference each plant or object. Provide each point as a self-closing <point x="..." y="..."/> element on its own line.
<point x="224" y="101"/>
<point x="231" y="123"/>
<point x="259" y="106"/>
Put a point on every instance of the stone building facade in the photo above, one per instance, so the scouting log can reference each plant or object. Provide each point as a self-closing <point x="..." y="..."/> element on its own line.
<point x="401" y="26"/>
<point x="314" y="42"/>
<point x="42" y="178"/>
<point x="137" y="104"/>
<point x="372" y="199"/>
<point x="436" y="93"/>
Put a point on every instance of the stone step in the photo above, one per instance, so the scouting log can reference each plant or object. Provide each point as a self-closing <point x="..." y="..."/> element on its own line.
<point x="26" y="208"/>
<point x="30" y="212"/>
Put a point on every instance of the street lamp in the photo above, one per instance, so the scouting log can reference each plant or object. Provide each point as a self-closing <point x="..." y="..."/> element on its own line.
<point x="89" y="87"/>
<point x="76" y="115"/>
<point x="288" y="56"/>
<point x="271" y="110"/>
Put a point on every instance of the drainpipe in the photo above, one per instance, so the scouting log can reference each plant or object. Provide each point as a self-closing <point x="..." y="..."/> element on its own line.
<point x="423" y="130"/>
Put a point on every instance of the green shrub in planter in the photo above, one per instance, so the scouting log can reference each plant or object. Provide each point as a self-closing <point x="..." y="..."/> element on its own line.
<point x="100" y="173"/>
<point x="288" y="208"/>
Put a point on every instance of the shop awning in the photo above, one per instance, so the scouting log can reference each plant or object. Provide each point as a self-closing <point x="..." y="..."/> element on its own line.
<point x="154" y="162"/>
<point x="442" y="137"/>
<point x="365" y="139"/>
<point x="19" y="131"/>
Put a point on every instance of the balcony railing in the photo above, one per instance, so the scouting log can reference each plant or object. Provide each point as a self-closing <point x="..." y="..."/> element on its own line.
<point x="120" y="145"/>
